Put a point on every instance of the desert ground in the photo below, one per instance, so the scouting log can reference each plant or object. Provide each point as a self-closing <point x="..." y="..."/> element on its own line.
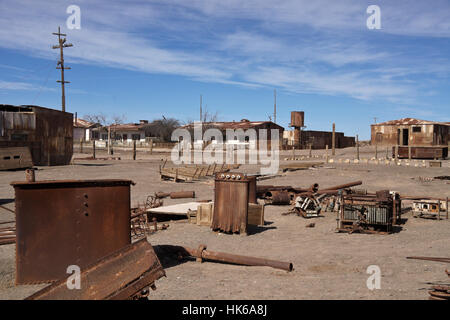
<point x="327" y="264"/>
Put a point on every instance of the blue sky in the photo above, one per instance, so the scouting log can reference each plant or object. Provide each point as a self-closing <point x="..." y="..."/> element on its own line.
<point x="145" y="59"/>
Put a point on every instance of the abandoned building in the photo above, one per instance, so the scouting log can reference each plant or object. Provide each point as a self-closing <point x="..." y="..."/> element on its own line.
<point x="47" y="132"/>
<point x="411" y="132"/>
<point x="318" y="139"/>
<point x="302" y="139"/>
<point x="245" y="125"/>
<point x="83" y="130"/>
<point x="125" y="133"/>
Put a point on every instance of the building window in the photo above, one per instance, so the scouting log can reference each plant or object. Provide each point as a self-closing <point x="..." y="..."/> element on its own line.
<point x="136" y="137"/>
<point x="104" y="136"/>
<point x="417" y="129"/>
<point x="95" y="135"/>
<point x="124" y="137"/>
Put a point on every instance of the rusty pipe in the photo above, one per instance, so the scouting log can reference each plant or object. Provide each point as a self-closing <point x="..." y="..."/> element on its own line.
<point x="279" y="197"/>
<point x="202" y="253"/>
<point x="176" y="195"/>
<point x="447" y="260"/>
<point x="342" y="186"/>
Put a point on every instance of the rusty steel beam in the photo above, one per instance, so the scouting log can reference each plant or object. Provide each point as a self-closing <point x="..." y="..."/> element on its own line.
<point x="121" y="275"/>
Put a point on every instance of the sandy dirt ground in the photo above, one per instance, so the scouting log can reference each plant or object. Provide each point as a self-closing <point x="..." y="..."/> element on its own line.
<point x="327" y="265"/>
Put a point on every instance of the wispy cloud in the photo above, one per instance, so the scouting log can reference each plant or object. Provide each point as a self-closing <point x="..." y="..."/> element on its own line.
<point x="300" y="46"/>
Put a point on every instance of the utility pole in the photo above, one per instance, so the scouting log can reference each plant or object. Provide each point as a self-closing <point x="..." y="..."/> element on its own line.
<point x="275" y="106"/>
<point x="61" y="45"/>
<point x="201" y="108"/>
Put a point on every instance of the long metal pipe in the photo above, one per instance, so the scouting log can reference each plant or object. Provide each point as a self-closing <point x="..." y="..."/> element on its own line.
<point x="342" y="186"/>
<point x="176" y="195"/>
<point x="238" y="259"/>
<point x="447" y="260"/>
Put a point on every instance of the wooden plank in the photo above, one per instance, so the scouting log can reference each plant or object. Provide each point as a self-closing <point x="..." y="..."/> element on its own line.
<point x="255" y="214"/>
<point x="204" y="214"/>
<point x="15" y="158"/>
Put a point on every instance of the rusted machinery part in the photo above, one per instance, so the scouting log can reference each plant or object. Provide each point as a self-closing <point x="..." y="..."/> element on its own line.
<point x="436" y="259"/>
<point x="125" y="274"/>
<point x="439" y="294"/>
<point x="202" y="253"/>
<point x="447" y="272"/>
<point x="279" y="197"/>
<point x="314" y="187"/>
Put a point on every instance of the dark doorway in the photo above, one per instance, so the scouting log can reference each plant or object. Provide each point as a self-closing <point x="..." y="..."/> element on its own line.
<point x="405" y="137"/>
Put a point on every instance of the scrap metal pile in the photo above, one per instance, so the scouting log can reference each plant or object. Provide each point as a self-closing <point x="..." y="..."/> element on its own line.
<point x="437" y="292"/>
<point x="309" y="202"/>
<point x="7" y="234"/>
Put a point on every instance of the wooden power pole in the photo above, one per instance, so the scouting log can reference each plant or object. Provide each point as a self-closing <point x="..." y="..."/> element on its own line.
<point x="61" y="45"/>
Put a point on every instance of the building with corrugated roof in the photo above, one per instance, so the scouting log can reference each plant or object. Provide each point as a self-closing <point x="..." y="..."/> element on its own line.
<point x="245" y="125"/>
<point x="410" y="132"/>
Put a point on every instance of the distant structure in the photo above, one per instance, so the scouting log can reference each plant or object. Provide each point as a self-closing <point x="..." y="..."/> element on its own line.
<point x="125" y="133"/>
<point x="297" y="122"/>
<point x="302" y="139"/>
<point x="47" y="132"/>
<point x="83" y="129"/>
<point x="244" y="124"/>
<point x="410" y="132"/>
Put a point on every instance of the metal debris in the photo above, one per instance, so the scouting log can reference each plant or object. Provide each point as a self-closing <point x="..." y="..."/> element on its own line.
<point x="371" y="213"/>
<point x="125" y="274"/>
<point x="201" y="253"/>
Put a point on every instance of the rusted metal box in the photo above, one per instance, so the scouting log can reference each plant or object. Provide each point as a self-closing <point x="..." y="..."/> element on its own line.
<point x="68" y="222"/>
<point x="231" y="199"/>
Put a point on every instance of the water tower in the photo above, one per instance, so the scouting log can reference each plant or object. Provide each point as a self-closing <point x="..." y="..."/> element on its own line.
<point x="297" y="122"/>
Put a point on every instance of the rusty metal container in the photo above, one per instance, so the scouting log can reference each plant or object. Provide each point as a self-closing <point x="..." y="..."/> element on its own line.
<point x="297" y="119"/>
<point x="68" y="222"/>
<point x="231" y="199"/>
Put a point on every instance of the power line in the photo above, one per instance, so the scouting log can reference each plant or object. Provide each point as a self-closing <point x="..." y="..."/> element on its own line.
<point x="61" y="45"/>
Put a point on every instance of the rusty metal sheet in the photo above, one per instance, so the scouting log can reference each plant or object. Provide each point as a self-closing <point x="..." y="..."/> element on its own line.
<point x="68" y="222"/>
<point x="231" y="202"/>
<point x="121" y="275"/>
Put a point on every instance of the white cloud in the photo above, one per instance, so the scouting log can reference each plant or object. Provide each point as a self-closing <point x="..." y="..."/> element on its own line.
<point x="299" y="46"/>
